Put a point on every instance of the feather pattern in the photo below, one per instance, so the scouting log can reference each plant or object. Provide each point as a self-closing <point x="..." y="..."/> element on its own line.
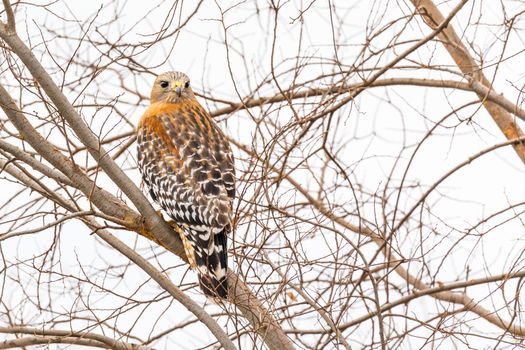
<point x="187" y="164"/>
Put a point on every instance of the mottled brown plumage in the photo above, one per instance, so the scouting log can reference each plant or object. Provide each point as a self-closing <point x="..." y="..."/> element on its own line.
<point x="187" y="164"/>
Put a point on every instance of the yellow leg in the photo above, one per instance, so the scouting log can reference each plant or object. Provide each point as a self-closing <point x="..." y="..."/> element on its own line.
<point x="188" y="248"/>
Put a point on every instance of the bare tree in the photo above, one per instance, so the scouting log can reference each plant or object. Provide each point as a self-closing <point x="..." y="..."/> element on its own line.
<point x="378" y="204"/>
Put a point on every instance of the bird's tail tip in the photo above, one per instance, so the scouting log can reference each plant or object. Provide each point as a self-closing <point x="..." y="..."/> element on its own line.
<point x="214" y="288"/>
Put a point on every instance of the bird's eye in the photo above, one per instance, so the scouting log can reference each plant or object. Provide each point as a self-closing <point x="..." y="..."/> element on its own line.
<point x="164" y="84"/>
<point x="187" y="85"/>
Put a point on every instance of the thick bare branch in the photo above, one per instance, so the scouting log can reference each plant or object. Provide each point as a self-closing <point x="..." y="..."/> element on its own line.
<point x="47" y="336"/>
<point x="460" y="54"/>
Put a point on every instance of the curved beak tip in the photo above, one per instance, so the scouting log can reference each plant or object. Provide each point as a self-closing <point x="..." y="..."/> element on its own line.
<point x="178" y="91"/>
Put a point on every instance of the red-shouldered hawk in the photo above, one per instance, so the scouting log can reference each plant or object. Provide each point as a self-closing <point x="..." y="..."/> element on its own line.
<point x="187" y="164"/>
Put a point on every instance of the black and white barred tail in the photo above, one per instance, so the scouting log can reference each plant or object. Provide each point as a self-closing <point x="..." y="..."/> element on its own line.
<point x="211" y="259"/>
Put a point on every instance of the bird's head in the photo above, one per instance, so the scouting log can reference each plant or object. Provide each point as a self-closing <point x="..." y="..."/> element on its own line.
<point x="171" y="87"/>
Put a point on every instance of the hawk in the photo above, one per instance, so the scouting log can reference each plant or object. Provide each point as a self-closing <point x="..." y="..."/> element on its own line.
<point x="187" y="164"/>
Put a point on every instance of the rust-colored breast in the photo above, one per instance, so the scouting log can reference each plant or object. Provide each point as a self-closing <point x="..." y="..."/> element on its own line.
<point x="151" y="123"/>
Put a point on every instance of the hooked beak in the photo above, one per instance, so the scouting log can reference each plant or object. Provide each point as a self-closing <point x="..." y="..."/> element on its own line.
<point x="177" y="88"/>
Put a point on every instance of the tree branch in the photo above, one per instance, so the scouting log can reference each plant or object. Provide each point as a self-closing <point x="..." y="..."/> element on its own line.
<point x="471" y="86"/>
<point x="45" y="336"/>
<point x="459" y="53"/>
<point x="20" y="154"/>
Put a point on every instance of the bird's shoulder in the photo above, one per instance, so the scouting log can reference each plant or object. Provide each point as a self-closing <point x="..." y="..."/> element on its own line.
<point x="150" y="117"/>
